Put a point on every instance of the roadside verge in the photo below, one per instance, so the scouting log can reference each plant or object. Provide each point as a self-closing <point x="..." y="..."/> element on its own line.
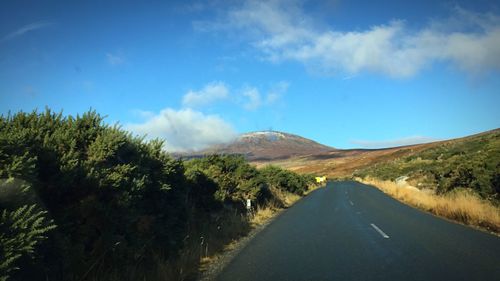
<point x="260" y="219"/>
<point x="461" y="206"/>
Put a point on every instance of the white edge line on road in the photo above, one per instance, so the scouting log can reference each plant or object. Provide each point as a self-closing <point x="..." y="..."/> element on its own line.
<point x="350" y="202"/>
<point x="379" y="231"/>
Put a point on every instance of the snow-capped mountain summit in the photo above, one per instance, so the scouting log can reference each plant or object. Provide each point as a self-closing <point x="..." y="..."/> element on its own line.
<point x="268" y="145"/>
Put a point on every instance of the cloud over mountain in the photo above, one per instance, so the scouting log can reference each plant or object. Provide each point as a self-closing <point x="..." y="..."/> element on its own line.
<point x="185" y="129"/>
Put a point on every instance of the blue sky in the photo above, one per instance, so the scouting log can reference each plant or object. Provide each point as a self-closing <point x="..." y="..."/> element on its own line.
<point x="344" y="73"/>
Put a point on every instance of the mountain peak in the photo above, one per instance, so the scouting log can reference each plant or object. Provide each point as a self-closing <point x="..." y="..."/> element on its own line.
<point x="263" y="133"/>
<point x="268" y="135"/>
<point x="269" y="145"/>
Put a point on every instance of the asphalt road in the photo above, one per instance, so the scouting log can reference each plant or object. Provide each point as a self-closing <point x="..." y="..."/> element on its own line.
<point x="350" y="231"/>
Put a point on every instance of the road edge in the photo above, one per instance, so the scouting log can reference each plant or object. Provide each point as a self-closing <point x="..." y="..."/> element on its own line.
<point x="416" y="207"/>
<point x="215" y="268"/>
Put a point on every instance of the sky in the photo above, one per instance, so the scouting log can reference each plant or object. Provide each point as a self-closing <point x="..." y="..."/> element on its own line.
<point x="347" y="74"/>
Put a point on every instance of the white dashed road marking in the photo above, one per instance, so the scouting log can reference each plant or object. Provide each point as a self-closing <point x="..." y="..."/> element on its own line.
<point x="380" y="231"/>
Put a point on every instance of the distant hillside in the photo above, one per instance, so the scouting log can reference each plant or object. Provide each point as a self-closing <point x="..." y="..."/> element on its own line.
<point x="471" y="162"/>
<point x="266" y="146"/>
<point x="343" y="163"/>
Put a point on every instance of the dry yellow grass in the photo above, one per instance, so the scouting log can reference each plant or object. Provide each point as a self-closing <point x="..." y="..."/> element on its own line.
<point x="461" y="206"/>
<point x="313" y="187"/>
<point x="260" y="216"/>
<point x="287" y="198"/>
<point x="257" y="218"/>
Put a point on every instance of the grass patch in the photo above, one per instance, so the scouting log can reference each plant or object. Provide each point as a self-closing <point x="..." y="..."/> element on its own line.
<point x="262" y="214"/>
<point x="206" y="245"/>
<point x="461" y="205"/>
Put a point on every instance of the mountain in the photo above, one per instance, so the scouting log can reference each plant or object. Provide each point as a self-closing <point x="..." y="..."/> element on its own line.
<point x="267" y="146"/>
<point x="306" y="156"/>
<point x="407" y="160"/>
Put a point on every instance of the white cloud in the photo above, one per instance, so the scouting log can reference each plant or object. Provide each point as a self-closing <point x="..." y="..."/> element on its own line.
<point x="27" y="28"/>
<point x="211" y="92"/>
<point x="282" y="31"/>
<point x="143" y="114"/>
<point x="114" y="59"/>
<point x="393" y="143"/>
<point x="185" y="129"/>
<point x="253" y="98"/>
<point x="277" y="91"/>
<point x="249" y="97"/>
<point x="188" y="129"/>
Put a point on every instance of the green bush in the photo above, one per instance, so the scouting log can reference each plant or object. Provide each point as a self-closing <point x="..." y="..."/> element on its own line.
<point x="121" y="205"/>
<point x="236" y="180"/>
<point x="286" y="180"/>
<point x="21" y="230"/>
<point x="116" y="199"/>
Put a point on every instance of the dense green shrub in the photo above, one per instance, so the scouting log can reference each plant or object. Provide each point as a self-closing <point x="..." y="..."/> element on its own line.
<point x="202" y="190"/>
<point x="116" y="199"/>
<point x="286" y="180"/>
<point x="236" y="180"/>
<point x="93" y="202"/>
<point x="21" y="230"/>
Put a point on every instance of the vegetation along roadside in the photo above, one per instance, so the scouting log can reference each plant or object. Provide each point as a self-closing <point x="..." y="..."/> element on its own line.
<point x="458" y="180"/>
<point x="82" y="200"/>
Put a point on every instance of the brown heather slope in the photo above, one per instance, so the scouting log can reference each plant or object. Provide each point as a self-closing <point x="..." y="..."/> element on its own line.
<point x="342" y="163"/>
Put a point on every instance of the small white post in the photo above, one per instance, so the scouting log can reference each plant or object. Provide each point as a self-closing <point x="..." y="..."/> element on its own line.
<point x="249" y="204"/>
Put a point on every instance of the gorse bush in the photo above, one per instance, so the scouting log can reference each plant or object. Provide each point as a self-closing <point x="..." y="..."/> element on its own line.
<point x="23" y="224"/>
<point x="287" y="180"/>
<point x="114" y="198"/>
<point x="236" y="180"/>
<point x="97" y="203"/>
<point x="21" y="230"/>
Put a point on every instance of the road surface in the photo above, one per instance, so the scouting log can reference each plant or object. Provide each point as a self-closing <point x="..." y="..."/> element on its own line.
<point x="350" y="231"/>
